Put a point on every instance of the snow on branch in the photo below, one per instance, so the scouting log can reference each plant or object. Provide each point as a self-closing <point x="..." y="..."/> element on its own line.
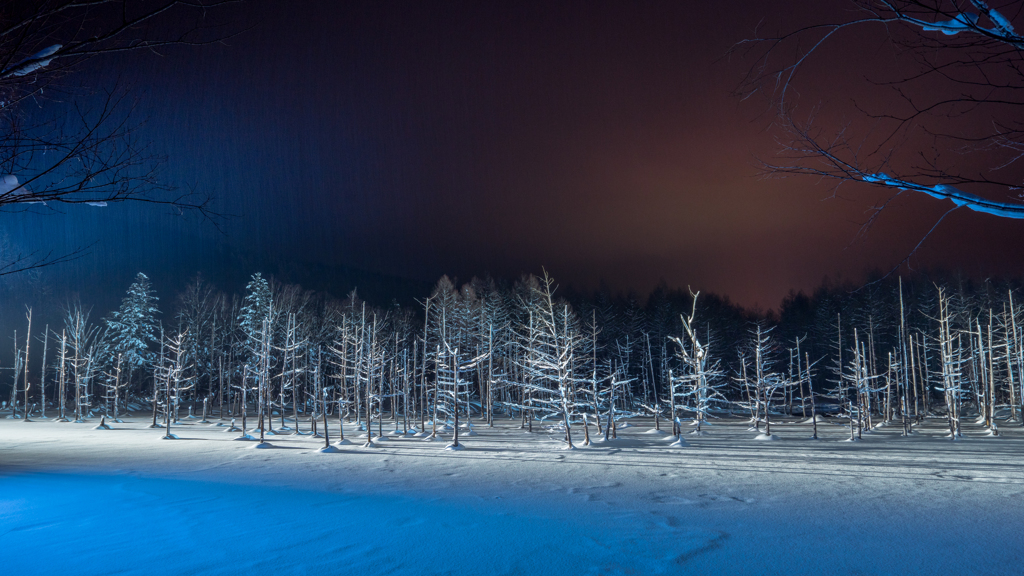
<point x="944" y="191"/>
<point x="33" y="63"/>
<point x="958" y="24"/>
<point x="962" y="21"/>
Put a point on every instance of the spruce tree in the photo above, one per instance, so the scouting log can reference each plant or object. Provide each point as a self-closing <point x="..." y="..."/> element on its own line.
<point x="255" y="307"/>
<point x="133" y="326"/>
<point x="255" y="323"/>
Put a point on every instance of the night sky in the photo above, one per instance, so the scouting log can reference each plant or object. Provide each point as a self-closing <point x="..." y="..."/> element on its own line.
<point x="599" y="140"/>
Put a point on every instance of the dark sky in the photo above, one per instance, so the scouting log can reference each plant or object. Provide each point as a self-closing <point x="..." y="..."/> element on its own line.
<point x="596" y="139"/>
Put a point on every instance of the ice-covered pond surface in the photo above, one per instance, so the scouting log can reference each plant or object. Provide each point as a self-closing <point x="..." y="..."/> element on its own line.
<point x="78" y="501"/>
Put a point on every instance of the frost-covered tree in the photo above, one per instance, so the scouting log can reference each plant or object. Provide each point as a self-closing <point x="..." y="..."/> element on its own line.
<point x="255" y="323"/>
<point x="255" y="308"/>
<point x="372" y="368"/>
<point x="197" y="308"/>
<point x="952" y="362"/>
<point x="550" y="359"/>
<point x="698" y="389"/>
<point x="859" y="378"/>
<point x="442" y="315"/>
<point x="113" y="383"/>
<point x="86" y="347"/>
<point x="619" y="382"/>
<point x="174" y="373"/>
<point x="767" y="382"/>
<point x="133" y="326"/>
<point x="1014" y="360"/>
<point x="493" y="333"/>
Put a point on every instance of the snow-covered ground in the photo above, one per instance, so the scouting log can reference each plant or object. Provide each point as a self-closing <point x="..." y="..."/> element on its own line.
<point x="74" y="500"/>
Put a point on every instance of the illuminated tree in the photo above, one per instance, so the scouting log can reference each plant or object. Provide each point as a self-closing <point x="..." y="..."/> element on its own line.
<point x="174" y="373"/>
<point x="256" y="308"/>
<point x="767" y="383"/>
<point x="197" y="307"/>
<point x="86" y="346"/>
<point x="699" y="390"/>
<point x="133" y="326"/>
<point x="441" y="318"/>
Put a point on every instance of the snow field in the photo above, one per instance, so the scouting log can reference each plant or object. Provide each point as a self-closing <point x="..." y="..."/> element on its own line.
<point x="81" y="501"/>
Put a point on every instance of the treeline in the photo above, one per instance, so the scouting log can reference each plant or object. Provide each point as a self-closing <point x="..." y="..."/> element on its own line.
<point x="894" y="350"/>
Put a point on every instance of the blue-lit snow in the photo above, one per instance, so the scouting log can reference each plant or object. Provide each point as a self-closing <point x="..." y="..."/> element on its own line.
<point x="79" y="501"/>
<point x="75" y="524"/>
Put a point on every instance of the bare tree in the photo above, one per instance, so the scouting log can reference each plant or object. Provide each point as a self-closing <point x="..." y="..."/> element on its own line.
<point x="951" y="128"/>
<point x="951" y="355"/>
<point x="553" y="338"/>
<point x="197" y="308"/>
<point x="61" y="145"/>
<point x="767" y="382"/>
<point x="175" y="375"/>
<point x="86" y="344"/>
<point x="698" y="374"/>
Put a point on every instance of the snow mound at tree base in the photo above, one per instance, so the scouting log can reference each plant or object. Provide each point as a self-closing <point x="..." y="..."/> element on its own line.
<point x="817" y="418"/>
<point x="328" y="450"/>
<point x="767" y="437"/>
<point x="454" y="447"/>
<point x="656" y="432"/>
